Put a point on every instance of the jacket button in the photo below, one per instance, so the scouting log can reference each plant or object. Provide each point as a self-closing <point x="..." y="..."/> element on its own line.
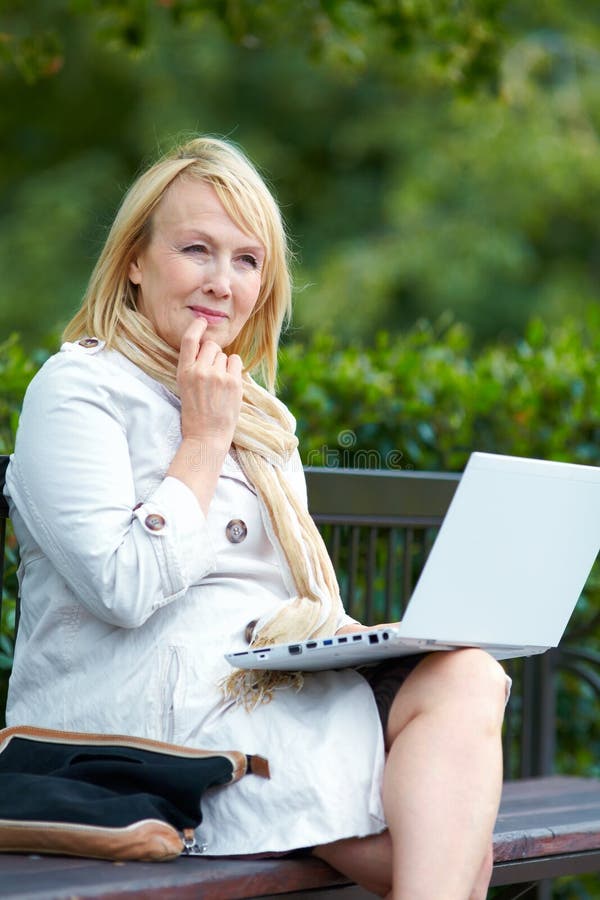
<point x="236" y="531"/>
<point x="89" y="342"/>
<point x="155" y="522"/>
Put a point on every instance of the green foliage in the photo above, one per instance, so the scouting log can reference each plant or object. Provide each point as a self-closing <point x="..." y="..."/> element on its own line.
<point x="409" y="194"/>
<point x="460" y="40"/>
<point x="17" y="368"/>
<point x="426" y="398"/>
<point x="478" y="207"/>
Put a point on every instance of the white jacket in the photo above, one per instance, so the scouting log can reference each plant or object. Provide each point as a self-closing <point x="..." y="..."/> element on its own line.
<point x="130" y="597"/>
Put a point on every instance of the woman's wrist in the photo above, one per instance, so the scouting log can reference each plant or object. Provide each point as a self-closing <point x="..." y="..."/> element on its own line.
<point x="203" y="454"/>
<point x="198" y="464"/>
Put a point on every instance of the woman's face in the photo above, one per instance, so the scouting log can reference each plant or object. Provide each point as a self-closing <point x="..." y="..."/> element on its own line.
<point x="197" y="263"/>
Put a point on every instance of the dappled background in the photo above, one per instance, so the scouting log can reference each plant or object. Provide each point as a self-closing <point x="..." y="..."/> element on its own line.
<point x="432" y="159"/>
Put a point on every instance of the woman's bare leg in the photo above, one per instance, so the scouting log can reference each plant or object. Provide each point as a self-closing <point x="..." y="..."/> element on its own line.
<point x="442" y="784"/>
<point x="368" y="862"/>
<point x="482" y="882"/>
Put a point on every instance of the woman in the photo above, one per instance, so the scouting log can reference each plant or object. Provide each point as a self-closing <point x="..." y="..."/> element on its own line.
<point x="160" y="507"/>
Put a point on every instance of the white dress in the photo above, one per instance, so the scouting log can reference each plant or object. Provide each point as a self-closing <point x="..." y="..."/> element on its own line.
<point x="131" y="596"/>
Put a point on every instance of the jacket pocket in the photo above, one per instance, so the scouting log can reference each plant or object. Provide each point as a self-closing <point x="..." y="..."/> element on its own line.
<point x="172" y="688"/>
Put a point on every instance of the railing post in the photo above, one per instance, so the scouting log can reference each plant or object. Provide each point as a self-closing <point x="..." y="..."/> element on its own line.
<point x="538" y="735"/>
<point x="539" y="716"/>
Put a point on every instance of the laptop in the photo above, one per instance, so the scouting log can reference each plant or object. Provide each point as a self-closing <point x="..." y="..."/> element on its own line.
<point x="505" y="572"/>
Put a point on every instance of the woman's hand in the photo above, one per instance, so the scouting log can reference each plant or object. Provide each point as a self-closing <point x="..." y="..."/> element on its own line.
<point x="210" y="386"/>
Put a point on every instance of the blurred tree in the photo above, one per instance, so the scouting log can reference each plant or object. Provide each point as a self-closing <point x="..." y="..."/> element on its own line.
<point x="463" y="38"/>
<point x="489" y="208"/>
<point x="413" y="184"/>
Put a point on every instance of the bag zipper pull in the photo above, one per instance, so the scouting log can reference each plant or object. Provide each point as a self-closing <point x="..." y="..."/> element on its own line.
<point x="190" y="845"/>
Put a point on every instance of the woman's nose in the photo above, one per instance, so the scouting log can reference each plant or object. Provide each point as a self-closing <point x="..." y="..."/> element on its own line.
<point x="217" y="280"/>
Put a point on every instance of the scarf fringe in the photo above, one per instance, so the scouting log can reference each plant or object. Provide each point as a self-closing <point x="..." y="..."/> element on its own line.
<point x="251" y="688"/>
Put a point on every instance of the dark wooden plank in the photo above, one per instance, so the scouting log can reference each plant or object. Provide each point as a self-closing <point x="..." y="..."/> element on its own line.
<point x="345" y="892"/>
<point x="36" y="878"/>
<point x="535" y="841"/>
<point x="547" y="816"/>
<point x="523" y="789"/>
<point x="15" y="865"/>
<point x="517" y="872"/>
<point x="562" y="799"/>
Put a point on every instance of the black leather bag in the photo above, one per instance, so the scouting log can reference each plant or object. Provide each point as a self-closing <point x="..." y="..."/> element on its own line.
<point x="107" y="796"/>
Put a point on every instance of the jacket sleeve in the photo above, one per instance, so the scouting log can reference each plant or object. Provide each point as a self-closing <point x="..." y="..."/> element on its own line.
<point x="72" y="483"/>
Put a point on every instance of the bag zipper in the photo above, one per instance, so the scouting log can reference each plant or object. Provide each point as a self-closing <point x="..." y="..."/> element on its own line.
<point x="190" y="845"/>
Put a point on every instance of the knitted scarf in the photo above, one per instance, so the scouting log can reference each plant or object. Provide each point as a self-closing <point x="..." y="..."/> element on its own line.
<point x="263" y="443"/>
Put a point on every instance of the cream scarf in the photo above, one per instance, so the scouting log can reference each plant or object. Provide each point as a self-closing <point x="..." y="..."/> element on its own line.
<point x="264" y="442"/>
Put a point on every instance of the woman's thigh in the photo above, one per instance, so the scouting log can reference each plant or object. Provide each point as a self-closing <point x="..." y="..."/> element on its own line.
<point x="466" y="680"/>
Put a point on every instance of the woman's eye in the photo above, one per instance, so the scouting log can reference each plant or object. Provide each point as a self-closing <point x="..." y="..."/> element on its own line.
<point x="250" y="260"/>
<point x="195" y="248"/>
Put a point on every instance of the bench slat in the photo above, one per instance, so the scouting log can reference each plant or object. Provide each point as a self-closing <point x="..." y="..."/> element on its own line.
<point x="547" y="816"/>
<point x="568" y="825"/>
<point x="348" y="495"/>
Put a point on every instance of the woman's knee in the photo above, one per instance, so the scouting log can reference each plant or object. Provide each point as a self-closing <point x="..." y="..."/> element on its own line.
<point x="470" y="666"/>
<point x="469" y="678"/>
<point x="474" y="678"/>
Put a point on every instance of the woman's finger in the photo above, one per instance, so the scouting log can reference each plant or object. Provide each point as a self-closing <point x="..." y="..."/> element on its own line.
<point x="234" y="365"/>
<point x="220" y="362"/>
<point x="209" y="353"/>
<point x="191" y="342"/>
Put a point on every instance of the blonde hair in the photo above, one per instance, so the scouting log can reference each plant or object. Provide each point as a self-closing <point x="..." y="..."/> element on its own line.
<point x="108" y="311"/>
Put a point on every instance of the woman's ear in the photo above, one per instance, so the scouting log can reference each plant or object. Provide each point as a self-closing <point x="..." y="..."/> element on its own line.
<point x="135" y="273"/>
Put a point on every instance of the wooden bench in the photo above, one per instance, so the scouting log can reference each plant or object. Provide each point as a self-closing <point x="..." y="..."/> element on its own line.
<point x="379" y="527"/>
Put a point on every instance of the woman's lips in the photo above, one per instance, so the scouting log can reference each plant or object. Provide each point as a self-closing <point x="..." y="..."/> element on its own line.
<point x="212" y="316"/>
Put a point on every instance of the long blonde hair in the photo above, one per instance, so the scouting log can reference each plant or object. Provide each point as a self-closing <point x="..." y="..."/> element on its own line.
<point x="108" y="310"/>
